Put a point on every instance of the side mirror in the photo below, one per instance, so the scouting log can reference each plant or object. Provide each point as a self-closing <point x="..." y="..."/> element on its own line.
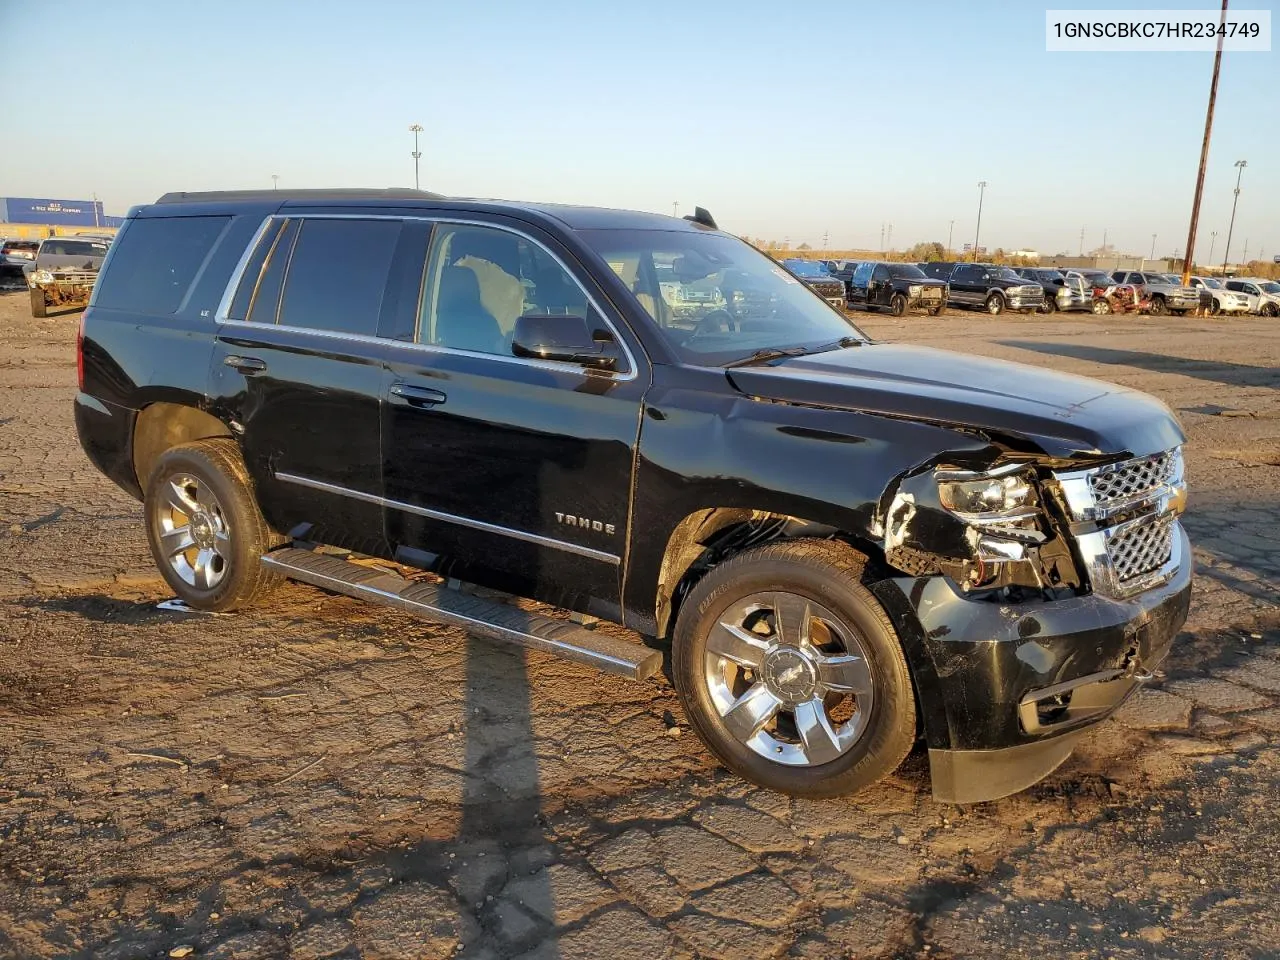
<point x="564" y="338"/>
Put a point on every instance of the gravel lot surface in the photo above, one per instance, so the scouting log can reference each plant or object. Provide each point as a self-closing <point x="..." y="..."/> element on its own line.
<point x="319" y="778"/>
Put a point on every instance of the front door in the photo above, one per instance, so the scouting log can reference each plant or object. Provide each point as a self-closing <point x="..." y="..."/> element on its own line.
<point x="297" y="371"/>
<point x="967" y="285"/>
<point x="859" y="283"/>
<point x="507" y="471"/>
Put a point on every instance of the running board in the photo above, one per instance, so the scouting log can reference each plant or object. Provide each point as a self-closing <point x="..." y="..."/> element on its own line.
<point x="477" y="615"/>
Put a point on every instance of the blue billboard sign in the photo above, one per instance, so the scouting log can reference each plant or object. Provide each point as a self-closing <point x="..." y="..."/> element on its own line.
<point x="65" y="213"/>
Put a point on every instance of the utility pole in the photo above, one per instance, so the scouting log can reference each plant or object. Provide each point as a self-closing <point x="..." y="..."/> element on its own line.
<point x="1204" y="150"/>
<point x="1240" y="165"/>
<point x="1104" y="241"/>
<point x="1245" y="258"/>
<point x="675" y="208"/>
<point x="950" y="230"/>
<point x="1081" y="241"/>
<point x="982" y="189"/>
<point x="882" y="236"/>
<point x="1153" y="246"/>
<point x="825" y="234"/>
<point x="891" y="236"/>
<point x="1213" y="241"/>
<point x="417" y="154"/>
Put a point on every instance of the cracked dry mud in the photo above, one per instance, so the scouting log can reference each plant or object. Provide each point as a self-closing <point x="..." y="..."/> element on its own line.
<point x="319" y="778"/>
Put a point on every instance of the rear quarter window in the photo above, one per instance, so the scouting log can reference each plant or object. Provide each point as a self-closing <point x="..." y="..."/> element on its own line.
<point x="155" y="262"/>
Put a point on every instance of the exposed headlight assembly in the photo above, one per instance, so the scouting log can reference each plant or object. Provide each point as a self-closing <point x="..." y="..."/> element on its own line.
<point x="998" y="496"/>
<point x="42" y="276"/>
<point x="915" y="289"/>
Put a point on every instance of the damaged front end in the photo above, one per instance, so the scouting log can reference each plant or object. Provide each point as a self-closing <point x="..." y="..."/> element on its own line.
<point x="985" y="528"/>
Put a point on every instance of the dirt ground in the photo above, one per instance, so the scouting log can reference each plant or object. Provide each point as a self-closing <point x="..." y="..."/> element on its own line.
<point x="318" y="778"/>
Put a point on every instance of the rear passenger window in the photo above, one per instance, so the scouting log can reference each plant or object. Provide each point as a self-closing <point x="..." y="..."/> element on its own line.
<point x="337" y="274"/>
<point x="264" y="290"/>
<point x="155" y="262"/>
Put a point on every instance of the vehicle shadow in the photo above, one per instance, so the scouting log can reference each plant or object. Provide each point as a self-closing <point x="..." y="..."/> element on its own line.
<point x="1217" y="371"/>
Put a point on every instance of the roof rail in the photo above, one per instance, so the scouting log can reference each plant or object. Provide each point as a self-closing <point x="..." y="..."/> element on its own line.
<point x="341" y="193"/>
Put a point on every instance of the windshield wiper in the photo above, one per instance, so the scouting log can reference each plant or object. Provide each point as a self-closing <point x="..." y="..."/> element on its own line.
<point x="767" y="354"/>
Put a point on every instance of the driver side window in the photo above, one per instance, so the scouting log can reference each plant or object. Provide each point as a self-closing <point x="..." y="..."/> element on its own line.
<point x="480" y="280"/>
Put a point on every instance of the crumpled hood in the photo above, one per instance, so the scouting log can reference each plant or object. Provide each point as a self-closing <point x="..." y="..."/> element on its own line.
<point x="1061" y="414"/>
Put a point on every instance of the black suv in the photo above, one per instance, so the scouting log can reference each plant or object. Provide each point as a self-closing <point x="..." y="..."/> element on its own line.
<point x="987" y="286"/>
<point x="845" y="544"/>
<point x="897" y="286"/>
<point x="815" y="275"/>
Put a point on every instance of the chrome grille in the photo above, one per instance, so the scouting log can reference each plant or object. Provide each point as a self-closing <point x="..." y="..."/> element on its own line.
<point x="1133" y="478"/>
<point x="1141" y="548"/>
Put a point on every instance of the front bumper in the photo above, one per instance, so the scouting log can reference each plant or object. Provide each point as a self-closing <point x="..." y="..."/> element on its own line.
<point x="1005" y="690"/>
<point x="1024" y="301"/>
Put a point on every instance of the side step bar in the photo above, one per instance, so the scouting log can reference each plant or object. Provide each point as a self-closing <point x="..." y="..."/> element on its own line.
<point x="477" y="615"/>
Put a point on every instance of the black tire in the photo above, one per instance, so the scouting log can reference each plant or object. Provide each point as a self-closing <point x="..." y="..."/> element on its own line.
<point x="216" y="463"/>
<point x="935" y="311"/>
<point x="1101" y="306"/>
<point x="898" y="305"/>
<point x="1269" y="310"/>
<point x="994" y="304"/>
<point x="827" y="573"/>
<point x="39" y="305"/>
<point x="1158" y="307"/>
<point x="1215" y="308"/>
<point x="1050" y="305"/>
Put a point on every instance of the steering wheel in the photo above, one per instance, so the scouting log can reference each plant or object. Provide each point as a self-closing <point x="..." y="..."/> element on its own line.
<point x="717" y="321"/>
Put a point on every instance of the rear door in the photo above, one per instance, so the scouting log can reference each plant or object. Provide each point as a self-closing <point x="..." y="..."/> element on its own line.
<point x="297" y="371"/>
<point x="967" y="287"/>
<point x="881" y="289"/>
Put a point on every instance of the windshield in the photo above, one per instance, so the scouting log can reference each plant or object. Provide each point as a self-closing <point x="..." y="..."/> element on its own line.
<point x="1270" y="287"/>
<point x="1098" y="278"/>
<point x="1211" y="283"/>
<point x="906" y="271"/>
<point x="806" y="268"/>
<point x="745" y="301"/>
<point x="1005" y="273"/>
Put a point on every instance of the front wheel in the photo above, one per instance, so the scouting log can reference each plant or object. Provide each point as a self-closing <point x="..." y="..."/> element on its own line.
<point x="934" y="311"/>
<point x="1158" y="307"/>
<point x="995" y="304"/>
<point x="204" y="527"/>
<point x="1215" y="308"/>
<point x="898" y="305"/>
<point x="1101" y="306"/>
<point x="1050" y="305"/>
<point x="39" y="305"/>
<point x="1270" y="310"/>
<point x="791" y="673"/>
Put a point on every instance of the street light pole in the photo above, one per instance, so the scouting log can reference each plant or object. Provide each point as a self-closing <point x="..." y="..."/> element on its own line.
<point x="675" y="208"/>
<point x="275" y="181"/>
<point x="417" y="154"/>
<point x="950" y="230"/>
<point x="1226" y="256"/>
<point x="1153" y="247"/>
<point x="982" y="189"/>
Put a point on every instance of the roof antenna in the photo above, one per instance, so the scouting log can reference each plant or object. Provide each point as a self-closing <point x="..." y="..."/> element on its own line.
<point x="700" y="215"/>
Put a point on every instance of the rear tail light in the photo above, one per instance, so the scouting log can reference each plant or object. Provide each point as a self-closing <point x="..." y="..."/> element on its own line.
<point x="80" y="354"/>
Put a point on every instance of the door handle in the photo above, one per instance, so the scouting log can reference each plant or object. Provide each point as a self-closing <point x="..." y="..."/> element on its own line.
<point x="417" y="396"/>
<point x="245" y="364"/>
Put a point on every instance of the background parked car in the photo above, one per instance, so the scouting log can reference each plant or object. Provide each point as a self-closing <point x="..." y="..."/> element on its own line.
<point x="1108" y="296"/>
<point x="1216" y="299"/>
<point x="1263" y="295"/>
<point x="899" y="287"/>
<point x="16" y="253"/>
<point x="993" y="288"/>
<point x="1165" y="296"/>
<point x="64" y="271"/>
<point x="1060" y="292"/>
<point x="843" y="271"/>
<point x="814" y="275"/>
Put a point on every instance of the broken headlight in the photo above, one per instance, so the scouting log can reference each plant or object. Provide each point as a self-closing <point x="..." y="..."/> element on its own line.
<point x="999" y="496"/>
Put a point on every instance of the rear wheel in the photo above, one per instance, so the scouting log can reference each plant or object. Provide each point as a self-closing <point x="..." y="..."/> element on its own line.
<point x="995" y="304"/>
<point x="39" y="305"/>
<point x="204" y="527"/>
<point x="898" y="305"/>
<point x="791" y="672"/>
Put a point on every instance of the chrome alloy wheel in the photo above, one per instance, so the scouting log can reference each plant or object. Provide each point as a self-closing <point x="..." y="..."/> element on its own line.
<point x="788" y="679"/>
<point x="194" y="536"/>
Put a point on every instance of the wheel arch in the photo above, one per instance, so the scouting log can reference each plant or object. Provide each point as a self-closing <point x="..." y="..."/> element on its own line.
<point x="708" y="535"/>
<point x="161" y="426"/>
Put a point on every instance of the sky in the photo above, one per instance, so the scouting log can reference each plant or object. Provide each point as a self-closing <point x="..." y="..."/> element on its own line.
<point x="786" y="122"/>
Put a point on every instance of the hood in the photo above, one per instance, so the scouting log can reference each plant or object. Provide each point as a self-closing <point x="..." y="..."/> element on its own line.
<point x="1060" y="414"/>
